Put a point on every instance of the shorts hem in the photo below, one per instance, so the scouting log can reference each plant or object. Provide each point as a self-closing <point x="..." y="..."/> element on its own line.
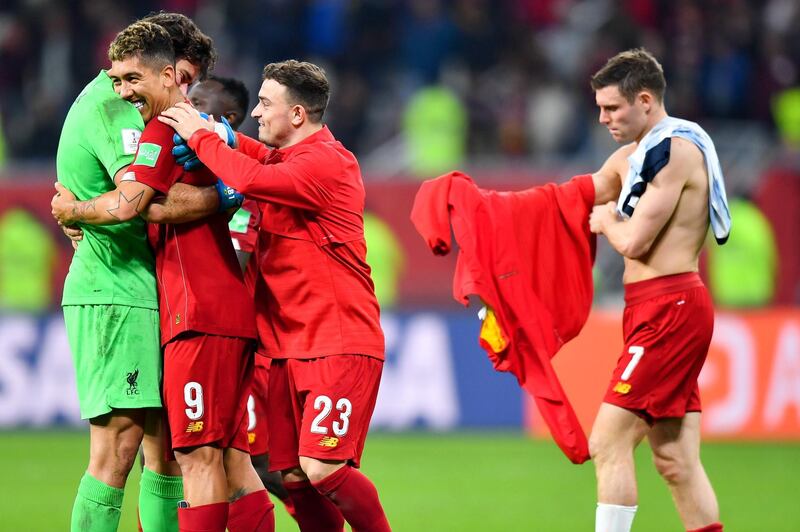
<point x="108" y="408"/>
<point x="647" y="414"/>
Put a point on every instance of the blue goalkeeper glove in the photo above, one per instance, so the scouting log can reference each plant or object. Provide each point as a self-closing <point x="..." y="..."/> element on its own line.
<point x="228" y="197"/>
<point x="187" y="158"/>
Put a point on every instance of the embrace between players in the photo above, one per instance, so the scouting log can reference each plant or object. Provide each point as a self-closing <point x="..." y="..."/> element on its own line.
<point x="309" y="305"/>
<point x="307" y="301"/>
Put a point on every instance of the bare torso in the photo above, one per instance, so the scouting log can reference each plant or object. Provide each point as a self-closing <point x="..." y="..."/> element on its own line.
<point x="677" y="247"/>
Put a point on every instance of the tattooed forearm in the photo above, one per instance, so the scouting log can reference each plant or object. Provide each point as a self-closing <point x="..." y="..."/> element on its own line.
<point x="124" y="204"/>
<point x="81" y="209"/>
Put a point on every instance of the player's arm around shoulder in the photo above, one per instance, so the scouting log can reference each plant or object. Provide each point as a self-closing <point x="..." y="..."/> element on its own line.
<point x="124" y="203"/>
<point x="633" y="238"/>
<point x="608" y="179"/>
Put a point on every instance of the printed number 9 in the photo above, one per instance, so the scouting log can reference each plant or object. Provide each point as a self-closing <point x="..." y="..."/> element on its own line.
<point x="193" y="395"/>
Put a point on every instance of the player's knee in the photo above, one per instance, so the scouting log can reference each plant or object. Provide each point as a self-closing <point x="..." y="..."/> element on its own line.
<point x="673" y="469"/>
<point x="598" y="448"/>
<point x="316" y="470"/>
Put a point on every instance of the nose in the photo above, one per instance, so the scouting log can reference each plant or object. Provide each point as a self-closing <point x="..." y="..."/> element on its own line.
<point x="604" y="118"/>
<point x="184" y="88"/>
<point x="255" y="113"/>
<point x="125" y="90"/>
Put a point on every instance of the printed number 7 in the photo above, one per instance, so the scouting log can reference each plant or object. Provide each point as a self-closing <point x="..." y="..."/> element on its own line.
<point x="638" y="352"/>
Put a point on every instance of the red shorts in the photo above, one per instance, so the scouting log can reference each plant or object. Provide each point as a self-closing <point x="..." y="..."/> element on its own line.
<point x="207" y="382"/>
<point x="321" y="408"/>
<point x="257" y="432"/>
<point x="667" y="325"/>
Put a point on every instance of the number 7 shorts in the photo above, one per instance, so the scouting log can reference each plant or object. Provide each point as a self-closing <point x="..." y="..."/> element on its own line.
<point x="320" y="408"/>
<point x="207" y="381"/>
<point x="667" y="325"/>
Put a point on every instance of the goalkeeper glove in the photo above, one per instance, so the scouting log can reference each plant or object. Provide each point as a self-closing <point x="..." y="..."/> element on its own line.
<point x="228" y="197"/>
<point x="187" y="158"/>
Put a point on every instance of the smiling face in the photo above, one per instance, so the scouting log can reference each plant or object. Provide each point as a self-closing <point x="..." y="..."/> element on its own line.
<point x="277" y="118"/>
<point x="147" y="88"/>
<point x="626" y="121"/>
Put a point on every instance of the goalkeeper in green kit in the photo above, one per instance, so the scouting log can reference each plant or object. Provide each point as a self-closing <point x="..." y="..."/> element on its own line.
<point x="110" y="302"/>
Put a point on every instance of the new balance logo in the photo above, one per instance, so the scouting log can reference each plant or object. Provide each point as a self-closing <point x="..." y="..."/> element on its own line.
<point x="195" y="426"/>
<point x="133" y="388"/>
<point x="328" y="441"/>
<point x="622" y="387"/>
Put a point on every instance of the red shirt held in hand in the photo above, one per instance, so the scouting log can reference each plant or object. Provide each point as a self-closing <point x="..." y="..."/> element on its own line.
<point x="199" y="279"/>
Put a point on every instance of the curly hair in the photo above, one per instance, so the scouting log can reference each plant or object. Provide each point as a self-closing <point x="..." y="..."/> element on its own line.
<point x="187" y="40"/>
<point x="632" y="71"/>
<point x="306" y="83"/>
<point x="149" y="41"/>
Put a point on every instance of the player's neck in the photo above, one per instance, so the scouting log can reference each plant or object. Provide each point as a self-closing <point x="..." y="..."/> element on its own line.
<point x="656" y="116"/>
<point x="301" y="134"/>
<point x="175" y="96"/>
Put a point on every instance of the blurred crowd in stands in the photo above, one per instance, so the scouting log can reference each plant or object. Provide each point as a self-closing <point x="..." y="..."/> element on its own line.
<point x="499" y="87"/>
<point x="512" y="74"/>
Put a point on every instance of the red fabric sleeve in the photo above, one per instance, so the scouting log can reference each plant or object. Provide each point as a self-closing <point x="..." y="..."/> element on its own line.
<point x="251" y="147"/>
<point x="156" y="171"/>
<point x="304" y="181"/>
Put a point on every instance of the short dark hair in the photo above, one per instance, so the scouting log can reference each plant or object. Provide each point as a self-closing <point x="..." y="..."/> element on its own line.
<point x="632" y="71"/>
<point x="150" y="42"/>
<point x="306" y="83"/>
<point x="236" y="90"/>
<point x="187" y="40"/>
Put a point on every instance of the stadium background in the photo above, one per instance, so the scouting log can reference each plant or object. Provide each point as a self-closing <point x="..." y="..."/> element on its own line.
<point x="498" y="89"/>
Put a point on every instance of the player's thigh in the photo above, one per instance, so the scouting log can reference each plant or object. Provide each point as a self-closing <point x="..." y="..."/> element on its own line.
<point x="114" y="438"/>
<point x="156" y="442"/>
<point x="339" y="397"/>
<point x="676" y="441"/>
<point x="117" y="357"/>
<point x="206" y="381"/>
<point x="616" y="430"/>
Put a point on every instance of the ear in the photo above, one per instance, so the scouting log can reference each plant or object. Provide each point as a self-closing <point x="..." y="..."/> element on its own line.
<point x="168" y="76"/>
<point x="298" y="115"/>
<point x="646" y="98"/>
<point x="231" y="116"/>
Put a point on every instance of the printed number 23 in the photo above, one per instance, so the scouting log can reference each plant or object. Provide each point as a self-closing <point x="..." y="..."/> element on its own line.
<point x="325" y="403"/>
<point x="638" y="352"/>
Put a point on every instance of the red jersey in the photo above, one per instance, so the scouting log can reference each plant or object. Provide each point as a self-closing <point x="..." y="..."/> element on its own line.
<point x="199" y="279"/>
<point x="529" y="256"/>
<point x="314" y="294"/>
<point x="244" y="236"/>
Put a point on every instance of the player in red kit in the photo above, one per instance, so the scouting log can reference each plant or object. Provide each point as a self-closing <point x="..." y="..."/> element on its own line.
<point x="227" y="98"/>
<point x="672" y="191"/>
<point x="207" y="353"/>
<point x="316" y="311"/>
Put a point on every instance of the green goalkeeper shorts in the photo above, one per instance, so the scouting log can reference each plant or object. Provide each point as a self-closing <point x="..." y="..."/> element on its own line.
<point x="116" y="350"/>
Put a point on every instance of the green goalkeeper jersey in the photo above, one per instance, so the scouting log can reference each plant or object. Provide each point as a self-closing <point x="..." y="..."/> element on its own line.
<point x="114" y="263"/>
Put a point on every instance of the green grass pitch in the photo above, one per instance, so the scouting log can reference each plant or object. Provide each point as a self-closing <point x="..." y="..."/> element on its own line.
<point x="448" y="482"/>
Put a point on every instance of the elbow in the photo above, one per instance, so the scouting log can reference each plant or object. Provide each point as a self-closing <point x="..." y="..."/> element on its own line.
<point x="635" y="248"/>
<point x="124" y="214"/>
